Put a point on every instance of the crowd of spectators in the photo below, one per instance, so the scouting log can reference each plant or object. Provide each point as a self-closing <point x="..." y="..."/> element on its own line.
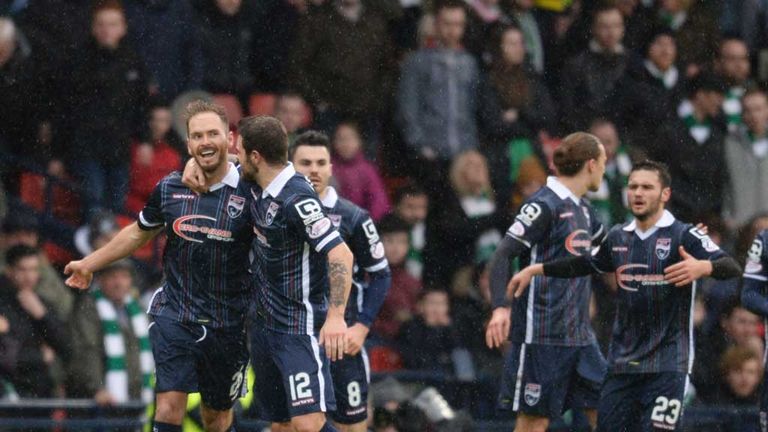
<point x="443" y="116"/>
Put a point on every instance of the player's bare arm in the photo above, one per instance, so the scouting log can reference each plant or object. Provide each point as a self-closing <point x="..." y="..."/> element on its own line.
<point x="126" y="242"/>
<point x="340" y="282"/>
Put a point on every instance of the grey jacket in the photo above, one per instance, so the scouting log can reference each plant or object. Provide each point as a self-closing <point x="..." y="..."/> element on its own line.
<point x="437" y="101"/>
<point x="747" y="193"/>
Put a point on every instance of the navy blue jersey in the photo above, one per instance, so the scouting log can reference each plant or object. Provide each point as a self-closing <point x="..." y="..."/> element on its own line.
<point x="754" y="292"/>
<point x="290" y="266"/>
<point x="206" y="256"/>
<point x="653" y="330"/>
<point x="359" y="233"/>
<point x="554" y="224"/>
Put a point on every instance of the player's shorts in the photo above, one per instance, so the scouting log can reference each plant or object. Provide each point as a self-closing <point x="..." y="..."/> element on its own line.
<point x="293" y="375"/>
<point x="546" y="380"/>
<point x="191" y="358"/>
<point x="351" y="376"/>
<point x="642" y="402"/>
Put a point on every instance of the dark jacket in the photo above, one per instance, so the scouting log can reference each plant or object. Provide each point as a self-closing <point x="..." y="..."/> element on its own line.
<point x="349" y="65"/>
<point x="427" y="348"/>
<point x="641" y="102"/>
<point x="164" y="34"/>
<point x="31" y="376"/>
<point x="108" y="98"/>
<point x="538" y="114"/>
<point x="226" y="44"/>
<point x="588" y="82"/>
<point x="698" y="170"/>
<point x="86" y="370"/>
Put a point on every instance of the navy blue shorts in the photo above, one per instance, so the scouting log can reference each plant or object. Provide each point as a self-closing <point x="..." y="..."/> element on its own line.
<point x="191" y="358"/>
<point x="642" y="402"/>
<point x="351" y="376"/>
<point x="546" y="380"/>
<point x="293" y="376"/>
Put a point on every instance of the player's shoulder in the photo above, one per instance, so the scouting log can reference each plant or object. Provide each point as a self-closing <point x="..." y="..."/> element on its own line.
<point x="297" y="185"/>
<point x="762" y="236"/>
<point x="171" y="181"/>
<point x="350" y="210"/>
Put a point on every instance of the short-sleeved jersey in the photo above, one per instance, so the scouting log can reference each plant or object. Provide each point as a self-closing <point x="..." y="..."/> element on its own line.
<point x="653" y="330"/>
<point x="359" y="232"/>
<point x="206" y="257"/>
<point x="756" y="268"/>
<point x="290" y="266"/>
<point x="554" y="224"/>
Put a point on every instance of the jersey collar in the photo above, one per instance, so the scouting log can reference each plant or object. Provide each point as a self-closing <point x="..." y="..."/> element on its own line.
<point x="231" y="179"/>
<point x="331" y="198"/>
<point x="560" y="189"/>
<point x="666" y="219"/>
<point x="278" y="183"/>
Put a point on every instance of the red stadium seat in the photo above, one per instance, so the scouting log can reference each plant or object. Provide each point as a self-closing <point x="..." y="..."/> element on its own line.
<point x="66" y="205"/>
<point x="384" y="359"/>
<point x="262" y="104"/>
<point x="231" y="105"/>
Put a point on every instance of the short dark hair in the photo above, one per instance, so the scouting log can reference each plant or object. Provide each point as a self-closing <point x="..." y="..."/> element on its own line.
<point x="102" y="5"/>
<point x="605" y="8"/>
<point x="449" y="4"/>
<point x="575" y="150"/>
<point x="706" y="81"/>
<point x="18" y="253"/>
<point x="659" y="167"/>
<point x="200" y="106"/>
<point x="408" y="189"/>
<point x="266" y="135"/>
<point x="310" y="138"/>
<point x="391" y="224"/>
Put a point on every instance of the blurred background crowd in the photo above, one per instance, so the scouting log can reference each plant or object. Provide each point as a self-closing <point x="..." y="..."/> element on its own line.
<point x="443" y="117"/>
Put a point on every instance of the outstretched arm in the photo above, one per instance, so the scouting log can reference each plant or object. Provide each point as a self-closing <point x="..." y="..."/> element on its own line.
<point x="127" y="241"/>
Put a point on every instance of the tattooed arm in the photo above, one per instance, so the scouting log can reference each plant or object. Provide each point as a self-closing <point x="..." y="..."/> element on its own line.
<point x="339" y="284"/>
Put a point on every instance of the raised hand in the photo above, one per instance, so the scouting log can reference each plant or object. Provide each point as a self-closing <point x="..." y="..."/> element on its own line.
<point x="688" y="270"/>
<point x="80" y="277"/>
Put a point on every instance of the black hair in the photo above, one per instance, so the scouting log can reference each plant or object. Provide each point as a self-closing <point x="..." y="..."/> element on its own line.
<point x="18" y="253"/>
<point x="310" y="138"/>
<point x="266" y="135"/>
<point x="659" y="167"/>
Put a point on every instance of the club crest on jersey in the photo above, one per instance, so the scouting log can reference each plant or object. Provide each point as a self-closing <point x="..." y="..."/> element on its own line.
<point x="532" y="394"/>
<point x="271" y="212"/>
<point x="663" y="246"/>
<point x="235" y="206"/>
<point x="335" y="219"/>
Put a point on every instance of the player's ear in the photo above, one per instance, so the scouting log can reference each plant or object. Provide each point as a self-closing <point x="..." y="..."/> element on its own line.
<point x="666" y="193"/>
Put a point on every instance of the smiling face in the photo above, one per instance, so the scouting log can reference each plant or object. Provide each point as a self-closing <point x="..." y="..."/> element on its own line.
<point x="646" y="195"/>
<point x="208" y="141"/>
<point x="315" y="163"/>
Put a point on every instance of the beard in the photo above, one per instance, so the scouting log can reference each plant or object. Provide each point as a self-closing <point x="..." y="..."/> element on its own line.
<point x="652" y="209"/>
<point x="249" y="171"/>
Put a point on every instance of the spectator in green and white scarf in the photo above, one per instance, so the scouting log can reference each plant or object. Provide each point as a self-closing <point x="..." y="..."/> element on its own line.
<point x="112" y="360"/>
<point x="732" y="65"/>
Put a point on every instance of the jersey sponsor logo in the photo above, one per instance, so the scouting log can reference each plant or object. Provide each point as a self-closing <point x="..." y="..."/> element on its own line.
<point x="271" y="213"/>
<point x="183" y="196"/>
<point x="335" y="220"/>
<point x="755" y="251"/>
<point x="663" y="246"/>
<point x="566" y="215"/>
<point x="630" y="281"/>
<point x="370" y="232"/>
<point x="529" y="213"/>
<point x="309" y="210"/>
<point x="578" y="242"/>
<point x="319" y="228"/>
<point x="517" y="229"/>
<point x="706" y="242"/>
<point x="532" y="394"/>
<point x="753" y="267"/>
<point x="620" y="249"/>
<point x="377" y="250"/>
<point x="184" y="229"/>
<point x="235" y="206"/>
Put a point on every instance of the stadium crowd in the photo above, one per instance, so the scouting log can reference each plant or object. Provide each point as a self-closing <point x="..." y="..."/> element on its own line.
<point x="443" y="117"/>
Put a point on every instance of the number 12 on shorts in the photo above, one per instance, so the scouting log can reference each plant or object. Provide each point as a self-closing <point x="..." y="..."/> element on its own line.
<point x="666" y="412"/>
<point x="299" y="384"/>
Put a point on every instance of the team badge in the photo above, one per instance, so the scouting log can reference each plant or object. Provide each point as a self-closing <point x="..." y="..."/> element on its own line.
<point x="235" y="206"/>
<point x="663" y="246"/>
<point x="532" y="394"/>
<point x="271" y="212"/>
<point x="335" y="219"/>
